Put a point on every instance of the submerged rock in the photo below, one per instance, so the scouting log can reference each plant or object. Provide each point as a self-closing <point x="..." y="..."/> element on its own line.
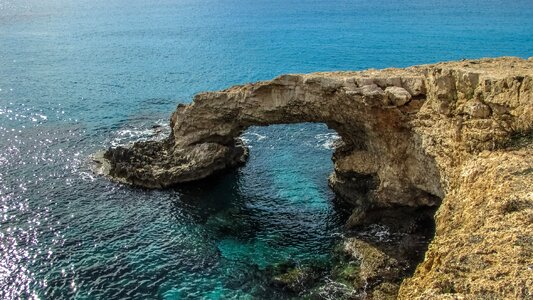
<point x="297" y="279"/>
<point x="374" y="265"/>
<point x="365" y="272"/>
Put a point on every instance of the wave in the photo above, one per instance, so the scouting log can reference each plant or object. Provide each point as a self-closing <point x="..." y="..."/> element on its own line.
<point x="157" y="131"/>
<point x="252" y="137"/>
<point x="327" y="140"/>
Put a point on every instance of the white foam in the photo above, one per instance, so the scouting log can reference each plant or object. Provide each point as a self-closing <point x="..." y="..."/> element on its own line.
<point x="327" y="140"/>
<point x="252" y="136"/>
<point x="130" y="135"/>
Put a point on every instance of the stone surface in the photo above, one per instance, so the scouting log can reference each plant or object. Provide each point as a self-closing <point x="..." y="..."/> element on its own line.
<point x="463" y="140"/>
<point x="397" y="96"/>
<point x="155" y="164"/>
<point x="296" y="280"/>
<point x="476" y="109"/>
<point x="375" y="266"/>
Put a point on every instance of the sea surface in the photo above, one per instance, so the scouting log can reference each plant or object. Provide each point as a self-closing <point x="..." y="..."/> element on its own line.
<point x="80" y="76"/>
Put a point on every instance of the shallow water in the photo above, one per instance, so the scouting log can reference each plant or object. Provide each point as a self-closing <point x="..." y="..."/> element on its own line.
<point x="76" y="77"/>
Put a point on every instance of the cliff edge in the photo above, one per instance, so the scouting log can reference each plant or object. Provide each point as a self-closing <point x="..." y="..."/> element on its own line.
<point x="458" y="135"/>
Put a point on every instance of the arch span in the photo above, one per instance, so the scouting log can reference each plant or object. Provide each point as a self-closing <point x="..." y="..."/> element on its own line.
<point x="378" y="158"/>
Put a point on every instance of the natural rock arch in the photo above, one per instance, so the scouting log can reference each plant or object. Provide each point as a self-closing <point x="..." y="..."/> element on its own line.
<point x="378" y="144"/>
<point x="458" y="131"/>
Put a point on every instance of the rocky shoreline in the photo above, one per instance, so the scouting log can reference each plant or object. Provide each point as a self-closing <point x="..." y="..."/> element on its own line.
<point x="369" y="263"/>
<point x="454" y="135"/>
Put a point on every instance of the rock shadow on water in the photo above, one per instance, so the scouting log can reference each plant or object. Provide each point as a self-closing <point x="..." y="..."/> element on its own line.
<point x="221" y="208"/>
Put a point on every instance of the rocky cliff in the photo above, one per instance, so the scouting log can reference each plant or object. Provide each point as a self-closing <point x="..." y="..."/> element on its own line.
<point x="455" y="134"/>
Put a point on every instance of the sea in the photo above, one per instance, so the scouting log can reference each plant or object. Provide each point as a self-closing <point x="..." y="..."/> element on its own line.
<point x="79" y="76"/>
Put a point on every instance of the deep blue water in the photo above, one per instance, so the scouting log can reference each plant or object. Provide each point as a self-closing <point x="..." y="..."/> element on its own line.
<point x="79" y="76"/>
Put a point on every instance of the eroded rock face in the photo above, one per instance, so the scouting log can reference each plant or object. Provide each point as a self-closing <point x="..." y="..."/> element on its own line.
<point x="457" y="132"/>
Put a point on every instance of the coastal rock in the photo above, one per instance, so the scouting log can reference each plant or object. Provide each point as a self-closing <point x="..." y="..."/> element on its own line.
<point x="155" y="164"/>
<point x="296" y="280"/>
<point x="385" y="248"/>
<point x="462" y="141"/>
<point x="477" y="110"/>
<point x="398" y="96"/>
<point x="374" y="265"/>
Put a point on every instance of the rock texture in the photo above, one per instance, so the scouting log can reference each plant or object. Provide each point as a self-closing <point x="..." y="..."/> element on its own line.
<point x="456" y="133"/>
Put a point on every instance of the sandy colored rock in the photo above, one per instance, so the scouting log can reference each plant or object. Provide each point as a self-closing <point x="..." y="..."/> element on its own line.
<point x="374" y="264"/>
<point x="397" y="96"/>
<point x="476" y="109"/>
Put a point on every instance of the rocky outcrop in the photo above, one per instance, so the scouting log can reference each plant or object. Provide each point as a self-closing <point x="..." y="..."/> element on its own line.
<point x="456" y="133"/>
<point x="379" y="147"/>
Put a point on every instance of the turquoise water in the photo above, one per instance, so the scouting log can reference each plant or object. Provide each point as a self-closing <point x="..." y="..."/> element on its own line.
<point x="78" y="76"/>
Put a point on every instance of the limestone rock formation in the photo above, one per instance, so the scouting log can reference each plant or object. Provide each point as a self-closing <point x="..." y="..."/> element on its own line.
<point x="456" y="133"/>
